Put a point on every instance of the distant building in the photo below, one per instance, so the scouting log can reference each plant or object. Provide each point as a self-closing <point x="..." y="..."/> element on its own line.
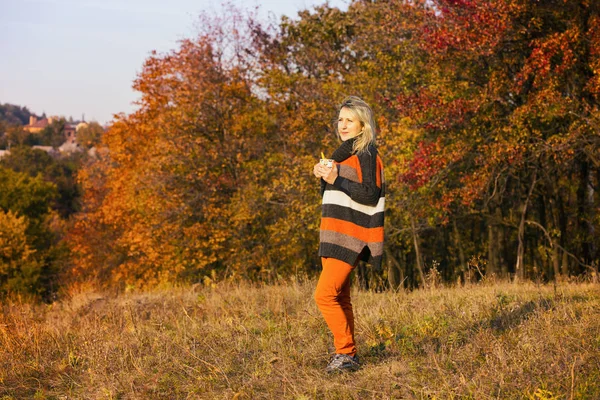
<point x="4" y="153"/>
<point x="70" y="133"/>
<point x="36" y="126"/>
<point x="48" y="149"/>
<point x="70" y="130"/>
<point x="70" y="147"/>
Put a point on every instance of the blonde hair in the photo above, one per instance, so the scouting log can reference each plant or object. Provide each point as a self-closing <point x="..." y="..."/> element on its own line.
<point x="361" y="110"/>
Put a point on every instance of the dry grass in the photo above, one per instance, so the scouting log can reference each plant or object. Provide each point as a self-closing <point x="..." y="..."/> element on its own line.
<point x="502" y="341"/>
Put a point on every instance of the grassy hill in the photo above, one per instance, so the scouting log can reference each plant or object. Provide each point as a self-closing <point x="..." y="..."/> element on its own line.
<point x="499" y="341"/>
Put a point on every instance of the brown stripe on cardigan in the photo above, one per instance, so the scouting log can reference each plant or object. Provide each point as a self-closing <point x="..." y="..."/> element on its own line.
<point x="351" y="243"/>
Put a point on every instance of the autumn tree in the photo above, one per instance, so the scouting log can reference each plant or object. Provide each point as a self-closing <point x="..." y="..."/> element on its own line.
<point x="60" y="171"/>
<point x="511" y="83"/>
<point x="90" y="135"/>
<point x="171" y="191"/>
<point x="487" y="114"/>
<point x="19" y="269"/>
<point x="53" y="134"/>
<point x="15" y="135"/>
<point x="27" y="239"/>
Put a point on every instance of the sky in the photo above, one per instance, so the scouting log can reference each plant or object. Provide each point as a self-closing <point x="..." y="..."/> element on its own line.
<point x="78" y="58"/>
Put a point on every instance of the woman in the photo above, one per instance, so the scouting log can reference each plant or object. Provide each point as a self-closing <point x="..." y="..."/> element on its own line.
<point x="351" y="223"/>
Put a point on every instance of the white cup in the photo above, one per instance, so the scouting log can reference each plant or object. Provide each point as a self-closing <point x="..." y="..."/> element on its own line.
<point x="328" y="162"/>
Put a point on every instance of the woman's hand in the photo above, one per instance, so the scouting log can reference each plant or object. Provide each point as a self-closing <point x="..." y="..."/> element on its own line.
<point x="328" y="174"/>
<point x="317" y="170"/>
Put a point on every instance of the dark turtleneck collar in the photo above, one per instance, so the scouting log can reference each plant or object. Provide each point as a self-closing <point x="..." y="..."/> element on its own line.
<point x="344" y="151"/>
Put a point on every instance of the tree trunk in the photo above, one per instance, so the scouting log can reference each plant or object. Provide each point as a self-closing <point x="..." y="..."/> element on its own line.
<point x="461" y="253"/>
<point x="556" y="262"/>
<point x="500" y="261"/>
<point x="591" y="214"/>
<point x="395" y="272"/>
<point x="536" y="261"/>
<point x="555" y="222"/>
<point x="519" y="267"/>
<point x="545" y="263"/>
<point x="563" y="227"/>
<point x="565" y="263"/>
<point x="585" y="204"/>
<point x="419" y="260"/>
<point x="494" y="242"/>
<point x="362" y="275"/>
<point x="491" y="264"/>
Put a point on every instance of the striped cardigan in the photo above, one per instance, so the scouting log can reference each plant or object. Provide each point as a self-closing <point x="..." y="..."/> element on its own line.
<point x="353" y="210"/>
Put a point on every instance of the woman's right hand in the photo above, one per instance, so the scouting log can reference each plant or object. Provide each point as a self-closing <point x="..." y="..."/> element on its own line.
<point x="317" y="170"/>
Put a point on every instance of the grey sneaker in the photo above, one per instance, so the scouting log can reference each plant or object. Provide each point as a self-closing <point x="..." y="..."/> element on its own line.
<point x="343" y="362"/>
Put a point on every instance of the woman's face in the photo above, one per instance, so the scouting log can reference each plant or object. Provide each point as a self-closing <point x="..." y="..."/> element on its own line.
<point x="348" y="125"/>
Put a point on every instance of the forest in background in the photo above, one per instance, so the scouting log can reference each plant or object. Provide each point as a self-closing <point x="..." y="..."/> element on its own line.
<point x="39" y="194"/>
<point x="488" y="127"/>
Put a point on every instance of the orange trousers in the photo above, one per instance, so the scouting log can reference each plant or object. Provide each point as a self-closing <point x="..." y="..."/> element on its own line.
<point x="333" y="299"/>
